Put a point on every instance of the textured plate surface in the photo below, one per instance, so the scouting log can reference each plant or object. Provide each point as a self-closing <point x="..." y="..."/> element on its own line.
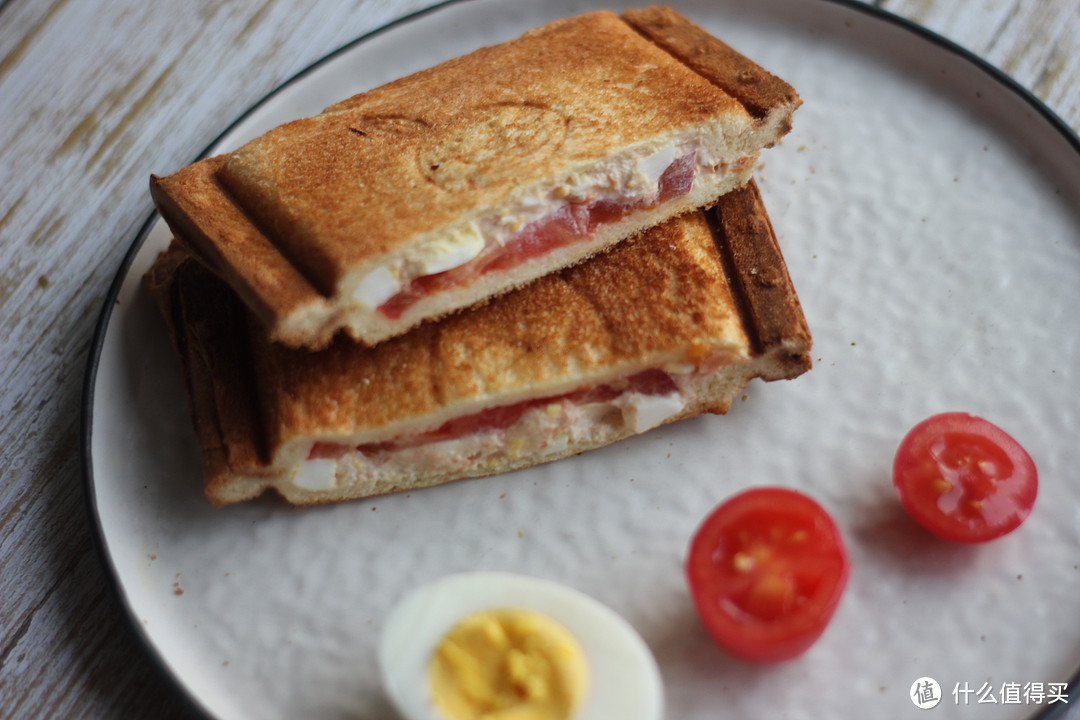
<point x="925" y="210"/>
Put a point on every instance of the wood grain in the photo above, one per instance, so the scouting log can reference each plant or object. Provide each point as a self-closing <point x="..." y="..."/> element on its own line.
<point x="96" y="94"/>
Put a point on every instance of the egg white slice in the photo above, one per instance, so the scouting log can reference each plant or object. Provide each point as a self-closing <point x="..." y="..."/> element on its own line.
<point x="624" y="681"/>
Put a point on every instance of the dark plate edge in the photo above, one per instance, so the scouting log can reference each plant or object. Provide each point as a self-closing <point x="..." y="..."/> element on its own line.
<point x="963" y="53"/>
<point x="1056" y="711"/>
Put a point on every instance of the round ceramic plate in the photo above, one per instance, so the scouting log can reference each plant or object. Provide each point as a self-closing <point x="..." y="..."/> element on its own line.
<point x="925" y="206"/>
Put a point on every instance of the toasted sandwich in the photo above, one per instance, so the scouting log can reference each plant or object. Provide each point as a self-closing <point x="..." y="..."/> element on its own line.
<point x="455" y="184"/>
<point x="668" y="325"/>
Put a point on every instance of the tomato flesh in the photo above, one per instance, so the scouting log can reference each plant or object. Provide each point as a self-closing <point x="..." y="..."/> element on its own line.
<point x="766" y="570"/>
<point x="964" y="479"/>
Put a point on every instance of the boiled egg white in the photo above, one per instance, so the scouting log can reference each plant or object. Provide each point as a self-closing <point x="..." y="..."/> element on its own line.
<point x="623" y="680"/>
<point x="376" y="287"/>
<point x="459" y="247"/>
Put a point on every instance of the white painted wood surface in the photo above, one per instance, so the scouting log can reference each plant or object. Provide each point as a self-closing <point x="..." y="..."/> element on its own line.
<point x="96" y="94"/>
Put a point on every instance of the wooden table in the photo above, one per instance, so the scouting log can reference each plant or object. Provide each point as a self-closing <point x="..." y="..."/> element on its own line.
<point x="95" y="95"/>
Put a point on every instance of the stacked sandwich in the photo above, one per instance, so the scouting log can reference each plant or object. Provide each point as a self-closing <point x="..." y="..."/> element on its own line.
<point x="497" y="262"/>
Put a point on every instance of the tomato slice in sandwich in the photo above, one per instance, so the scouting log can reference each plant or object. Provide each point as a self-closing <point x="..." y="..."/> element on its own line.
<point x="766" y="570"/>
<point x="963" y="478"/>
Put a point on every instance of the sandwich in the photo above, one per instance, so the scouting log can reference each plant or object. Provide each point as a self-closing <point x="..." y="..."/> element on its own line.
<point x="450" y="186"/>
<point x="668" y="325"/>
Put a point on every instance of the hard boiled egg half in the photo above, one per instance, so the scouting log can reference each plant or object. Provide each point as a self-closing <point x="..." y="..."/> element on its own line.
<point x="501" y="646"/>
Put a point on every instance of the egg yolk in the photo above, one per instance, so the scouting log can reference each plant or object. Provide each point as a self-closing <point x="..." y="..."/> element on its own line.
<point x="508" y="664"/>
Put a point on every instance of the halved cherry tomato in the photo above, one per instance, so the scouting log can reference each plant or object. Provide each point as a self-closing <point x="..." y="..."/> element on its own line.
<point x="964" y="478"/>
<point x="766" y="570"/>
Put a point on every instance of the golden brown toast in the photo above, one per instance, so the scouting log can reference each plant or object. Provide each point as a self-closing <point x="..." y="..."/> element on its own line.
<point x="397" y="205"/>
<point x="666" y="326"/>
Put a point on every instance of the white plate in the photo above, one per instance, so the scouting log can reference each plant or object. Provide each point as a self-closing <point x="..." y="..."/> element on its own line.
<point x="925" y="206"/>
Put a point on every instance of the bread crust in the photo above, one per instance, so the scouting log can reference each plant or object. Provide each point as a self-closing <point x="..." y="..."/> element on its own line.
<point x="765" y="96"/>
<point x="681" y="293"/>
<point x="212" y="226"/>
<point x="289" y="216"/>
<point x="764" y="293"/>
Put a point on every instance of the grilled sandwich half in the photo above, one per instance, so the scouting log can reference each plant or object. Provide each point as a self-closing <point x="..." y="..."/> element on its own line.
<point x="448" y="187"/>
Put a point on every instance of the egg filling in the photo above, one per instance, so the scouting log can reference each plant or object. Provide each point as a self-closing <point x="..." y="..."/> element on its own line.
<point x="567" y="214"/>
<point x="540" y="427"/>
<point x="507" y="664"/>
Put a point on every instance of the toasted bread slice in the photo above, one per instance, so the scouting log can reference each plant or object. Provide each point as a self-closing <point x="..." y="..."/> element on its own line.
<point x="458" y="183"/>
<point x="669" y="325"/>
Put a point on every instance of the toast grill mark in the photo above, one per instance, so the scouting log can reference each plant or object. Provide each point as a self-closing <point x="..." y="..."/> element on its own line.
<point x="400" y="126"/>
<point x="489" y="144"/>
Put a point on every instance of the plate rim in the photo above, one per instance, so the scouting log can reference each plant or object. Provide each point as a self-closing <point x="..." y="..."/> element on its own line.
<point x="1056" y="711"/>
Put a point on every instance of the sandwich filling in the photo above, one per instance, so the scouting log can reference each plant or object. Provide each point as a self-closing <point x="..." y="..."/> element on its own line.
<point x="571" y="212"/>
<point x="535" y="428"/>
